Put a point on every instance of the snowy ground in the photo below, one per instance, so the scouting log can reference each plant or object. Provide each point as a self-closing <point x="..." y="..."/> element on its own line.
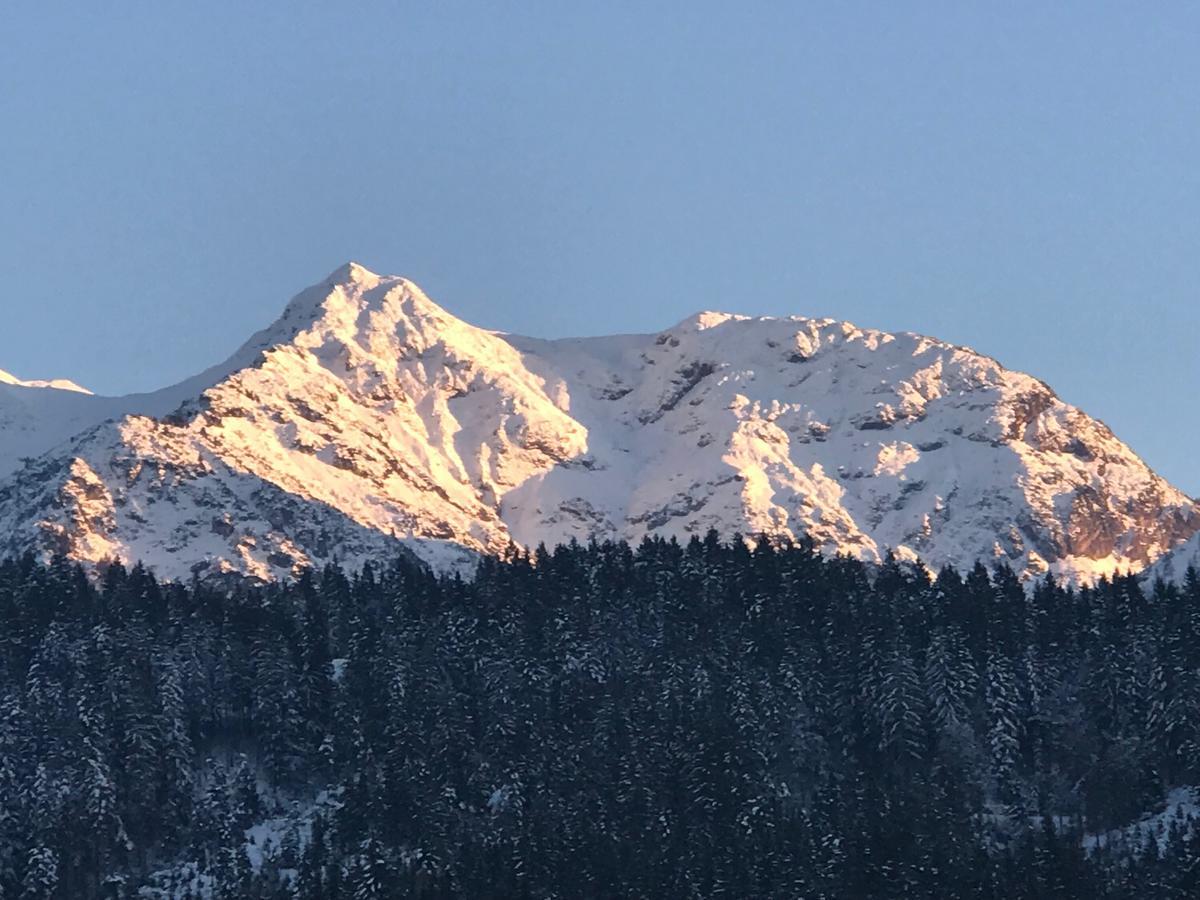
<point x="291" y="820"/>
<point x="1182" y="809"/>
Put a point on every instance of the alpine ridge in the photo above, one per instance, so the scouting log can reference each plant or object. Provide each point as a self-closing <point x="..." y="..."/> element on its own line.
<point x="369" y="420"/>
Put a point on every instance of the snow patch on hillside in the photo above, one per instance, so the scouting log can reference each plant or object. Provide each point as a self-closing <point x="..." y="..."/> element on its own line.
<point x="1181" y="811"/>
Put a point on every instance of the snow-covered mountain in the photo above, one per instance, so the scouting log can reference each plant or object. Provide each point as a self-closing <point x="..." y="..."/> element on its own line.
<point x="367" y="418"/>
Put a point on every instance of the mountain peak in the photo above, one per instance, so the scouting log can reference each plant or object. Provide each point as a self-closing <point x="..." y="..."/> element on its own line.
<point x="352" y="303"/>
<point x="58" y="384"/>
<point x="351" y="272"/>
<point x="335" y="296"/>
<point x="708" y="318"/>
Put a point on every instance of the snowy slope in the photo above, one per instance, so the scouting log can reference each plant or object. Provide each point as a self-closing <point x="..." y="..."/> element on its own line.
<point x="1181" y="809"/>
<point x="1174" y="566"/>
<point x="368" y="417"/>
<point x="36" y="415"/>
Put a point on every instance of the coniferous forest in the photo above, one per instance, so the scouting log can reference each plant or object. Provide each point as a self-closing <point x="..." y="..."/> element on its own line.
<point x="700" y="720"/>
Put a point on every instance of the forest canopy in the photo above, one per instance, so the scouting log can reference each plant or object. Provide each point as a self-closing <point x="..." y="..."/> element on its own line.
<point x="669" y="720"/>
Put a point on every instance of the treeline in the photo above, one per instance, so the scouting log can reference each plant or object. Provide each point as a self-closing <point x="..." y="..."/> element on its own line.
<point x="700" y="720"/>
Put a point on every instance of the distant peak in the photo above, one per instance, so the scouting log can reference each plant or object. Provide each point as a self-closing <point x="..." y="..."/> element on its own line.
<point x="310" y="304"/>
<point x="351" y="272"/>
<point x="702" y="321"/>
<point x="351" y="298"/>
<point x="58" y="384"/>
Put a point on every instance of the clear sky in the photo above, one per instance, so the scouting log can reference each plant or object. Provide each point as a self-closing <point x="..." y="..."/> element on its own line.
<point x="1020" y="178"/>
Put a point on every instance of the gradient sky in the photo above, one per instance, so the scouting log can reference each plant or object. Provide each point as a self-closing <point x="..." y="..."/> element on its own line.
<point x="1018" y="178"/>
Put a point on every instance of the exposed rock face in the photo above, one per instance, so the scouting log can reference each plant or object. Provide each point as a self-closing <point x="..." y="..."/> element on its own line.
<point x="368" y="418"/>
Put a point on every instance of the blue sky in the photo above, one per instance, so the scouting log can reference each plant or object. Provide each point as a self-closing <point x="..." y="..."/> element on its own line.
<point x="1014" y="177"/>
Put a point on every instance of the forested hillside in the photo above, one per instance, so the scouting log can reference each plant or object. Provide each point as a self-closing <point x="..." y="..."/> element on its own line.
<point x="663" y="721"/>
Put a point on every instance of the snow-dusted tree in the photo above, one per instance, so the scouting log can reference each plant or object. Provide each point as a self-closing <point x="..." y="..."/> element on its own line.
<point x="900" y="708"/>
<point x="94" y="786"/>
<point x="244" y="801"/>
<point x="177" y="753"/>
<point x="1004" y="725"/>
<point x="950" y="679"/>
<point x="371" y="874"/>
<point x="232" y="874"/>
<point x="41" y="874"/>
